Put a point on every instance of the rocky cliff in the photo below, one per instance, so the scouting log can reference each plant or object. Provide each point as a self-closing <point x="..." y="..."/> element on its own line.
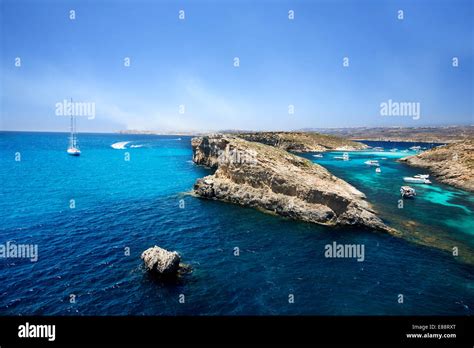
<point x="274" y="180"/>
<point x="452" y="164"/>
<point x="302" y="141"/>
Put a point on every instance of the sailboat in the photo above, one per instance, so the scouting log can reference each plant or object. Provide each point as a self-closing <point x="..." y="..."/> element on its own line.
<point x="73" y="148"/>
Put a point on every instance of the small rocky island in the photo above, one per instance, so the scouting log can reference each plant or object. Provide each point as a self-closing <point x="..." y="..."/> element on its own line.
<point x="163" y="263"/>
<point x="267" y="177"/>
<point x="452" y="164"/>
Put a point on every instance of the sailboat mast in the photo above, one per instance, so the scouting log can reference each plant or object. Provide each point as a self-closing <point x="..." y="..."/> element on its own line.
<point x="75" y="136"/>
<point x="73" y="150"/>
<point x="72" y="138"/>
<point x="71" y="142"/>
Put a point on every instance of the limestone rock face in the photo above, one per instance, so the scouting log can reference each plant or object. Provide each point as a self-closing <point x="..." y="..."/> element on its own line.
<point x="161" y="261"/>
<point x="274" y="180"/>
<point x="452" y="164"/>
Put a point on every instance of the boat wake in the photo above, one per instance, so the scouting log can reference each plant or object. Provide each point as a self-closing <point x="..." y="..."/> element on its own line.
<point x="120" y="145"/>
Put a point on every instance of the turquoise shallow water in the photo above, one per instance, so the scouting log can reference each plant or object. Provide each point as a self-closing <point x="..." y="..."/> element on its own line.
<point x="135" y="205"/>
<point x="439" y="211"/>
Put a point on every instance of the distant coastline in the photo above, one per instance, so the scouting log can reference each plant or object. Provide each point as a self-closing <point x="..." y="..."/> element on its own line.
<point x="151" y="132"/>
<point x="440" y="134"/>
<point x="435" y="134"/>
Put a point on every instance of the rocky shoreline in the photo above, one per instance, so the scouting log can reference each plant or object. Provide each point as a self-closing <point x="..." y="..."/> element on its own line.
<point x="452" y="164"/>
<point x="271" y="179"/>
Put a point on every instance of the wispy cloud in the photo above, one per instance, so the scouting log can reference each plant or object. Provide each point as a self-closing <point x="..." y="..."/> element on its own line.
<point x="204" y="107"/>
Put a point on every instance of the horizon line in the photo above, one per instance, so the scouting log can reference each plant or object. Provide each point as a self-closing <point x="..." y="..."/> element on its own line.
<point x="190" y="132"/>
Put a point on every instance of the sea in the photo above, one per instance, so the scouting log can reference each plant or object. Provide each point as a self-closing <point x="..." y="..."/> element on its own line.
<point x="92" y="216"/>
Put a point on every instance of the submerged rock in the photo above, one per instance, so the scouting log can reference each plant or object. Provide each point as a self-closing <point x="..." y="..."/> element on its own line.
<point x="161" y="261"/>
<point x="271" y="179"/>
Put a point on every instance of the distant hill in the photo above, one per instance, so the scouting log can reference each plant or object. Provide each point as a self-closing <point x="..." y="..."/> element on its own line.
<point x="446" y="134"/>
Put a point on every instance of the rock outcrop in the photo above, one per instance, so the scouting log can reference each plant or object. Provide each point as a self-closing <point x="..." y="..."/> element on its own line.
<point x="302" y="141"/>
<point x="452" y="164"/>
<point x="161" y="261"/>
<point x="274" y="180"/>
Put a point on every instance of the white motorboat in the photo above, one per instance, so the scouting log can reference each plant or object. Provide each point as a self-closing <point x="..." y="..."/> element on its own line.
<point x="318" y="155"/>
<point x="407" y="192"/>
<point x="374" y="163"/>
<point x="422" y="176"/>
<point x="414" y="180"/>
<point x="378" y="170"/>
<point x="378" y="148"/>
<point x="415" y="148"/>
<point x="344" y="157"/>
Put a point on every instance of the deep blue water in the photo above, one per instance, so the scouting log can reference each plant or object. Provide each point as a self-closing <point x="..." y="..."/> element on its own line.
<point x="135" y="204"/>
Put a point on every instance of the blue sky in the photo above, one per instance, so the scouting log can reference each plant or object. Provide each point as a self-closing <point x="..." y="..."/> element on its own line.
<point x="282" y="62"/>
